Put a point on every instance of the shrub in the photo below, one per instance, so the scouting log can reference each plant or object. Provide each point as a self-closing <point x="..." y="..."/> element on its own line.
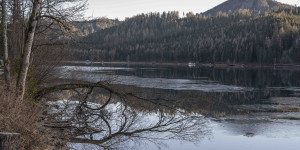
<point x="21" y="117"/>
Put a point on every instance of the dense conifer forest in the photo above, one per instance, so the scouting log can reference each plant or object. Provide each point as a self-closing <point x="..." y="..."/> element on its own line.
<point x="244" y="36"/>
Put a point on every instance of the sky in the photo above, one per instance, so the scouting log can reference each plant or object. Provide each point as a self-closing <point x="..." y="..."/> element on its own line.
<point x="127" y="8"/>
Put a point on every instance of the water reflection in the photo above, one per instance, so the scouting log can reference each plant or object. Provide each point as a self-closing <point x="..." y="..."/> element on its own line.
<point x="246" y="106"/>
<point x="120" y="126"/>
<point x="100" y="74"/>
<point x="211" y="92"/>
<point x="182" y="77"/>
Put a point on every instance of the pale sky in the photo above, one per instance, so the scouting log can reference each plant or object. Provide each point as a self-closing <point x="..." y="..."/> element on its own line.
<point x="128" y="8"/>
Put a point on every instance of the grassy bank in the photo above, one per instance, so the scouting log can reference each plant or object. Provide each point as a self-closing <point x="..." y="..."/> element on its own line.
<point x="20" y="117"/>
<point x="23" y="117"/>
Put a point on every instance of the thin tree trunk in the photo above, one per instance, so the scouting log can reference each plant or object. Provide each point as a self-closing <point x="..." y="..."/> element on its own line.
<point x="21" y="82"/>
<point x="15" y="46"/>
<point x="17" y="37"/>
<point x="5" y="47"/>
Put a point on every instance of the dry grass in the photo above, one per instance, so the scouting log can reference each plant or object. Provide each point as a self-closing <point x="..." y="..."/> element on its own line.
<point x="21" y="117"/>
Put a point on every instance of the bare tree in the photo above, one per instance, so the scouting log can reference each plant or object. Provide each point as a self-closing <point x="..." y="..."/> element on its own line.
<point x="49" y="21"/>
<point x="32" y="23"/>
<point x="5" y="46"/>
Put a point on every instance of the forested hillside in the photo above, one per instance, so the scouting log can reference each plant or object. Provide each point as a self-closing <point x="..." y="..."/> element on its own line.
<point x="258" y="6"/>
<point x="239" y="37"/>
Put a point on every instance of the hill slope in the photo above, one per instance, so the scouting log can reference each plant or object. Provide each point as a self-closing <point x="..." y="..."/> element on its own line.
<point x="238" y="38"/>
<point x="84" y="28"/>
<point x="235" y="5"/>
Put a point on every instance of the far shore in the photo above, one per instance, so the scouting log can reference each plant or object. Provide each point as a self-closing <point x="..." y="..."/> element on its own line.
<point x="186" y="64"/>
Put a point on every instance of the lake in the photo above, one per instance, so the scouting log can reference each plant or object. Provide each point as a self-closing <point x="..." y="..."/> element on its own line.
<point x="188" y="108"/>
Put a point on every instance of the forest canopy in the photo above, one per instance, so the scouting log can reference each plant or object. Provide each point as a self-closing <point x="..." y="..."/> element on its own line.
<point x="244" y="36"/>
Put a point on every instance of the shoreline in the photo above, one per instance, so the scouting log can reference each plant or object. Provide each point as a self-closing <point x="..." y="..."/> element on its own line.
<point x="186" y="64"/>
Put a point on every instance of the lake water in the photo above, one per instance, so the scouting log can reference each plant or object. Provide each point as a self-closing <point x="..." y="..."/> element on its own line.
<point x="230" y="108"/>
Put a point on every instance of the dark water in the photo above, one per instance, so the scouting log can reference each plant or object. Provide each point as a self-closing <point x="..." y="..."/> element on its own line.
<point x="235" y="108"/>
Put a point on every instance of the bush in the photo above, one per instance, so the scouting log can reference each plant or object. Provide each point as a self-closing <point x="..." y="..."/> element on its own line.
<point x="21" y="117"/>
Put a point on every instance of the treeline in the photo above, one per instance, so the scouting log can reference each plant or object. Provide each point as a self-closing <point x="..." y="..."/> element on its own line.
<point x="240" y="37"/>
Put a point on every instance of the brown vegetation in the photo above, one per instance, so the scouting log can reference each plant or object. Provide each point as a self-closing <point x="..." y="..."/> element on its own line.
<point x="21" y="117"/>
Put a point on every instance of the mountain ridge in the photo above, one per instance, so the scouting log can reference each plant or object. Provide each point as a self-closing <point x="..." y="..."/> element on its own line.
<point x="260" y="6"/>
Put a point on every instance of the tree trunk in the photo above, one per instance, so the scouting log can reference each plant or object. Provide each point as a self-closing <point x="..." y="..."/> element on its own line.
<point x="5" y="47"/>
<point x="17" y="36"/>
<point x="10" y="141"/>
<point x="21" y="82"/>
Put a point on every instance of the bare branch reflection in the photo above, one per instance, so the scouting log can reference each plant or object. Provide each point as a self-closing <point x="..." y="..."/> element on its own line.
<point x="113" y="124"/>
